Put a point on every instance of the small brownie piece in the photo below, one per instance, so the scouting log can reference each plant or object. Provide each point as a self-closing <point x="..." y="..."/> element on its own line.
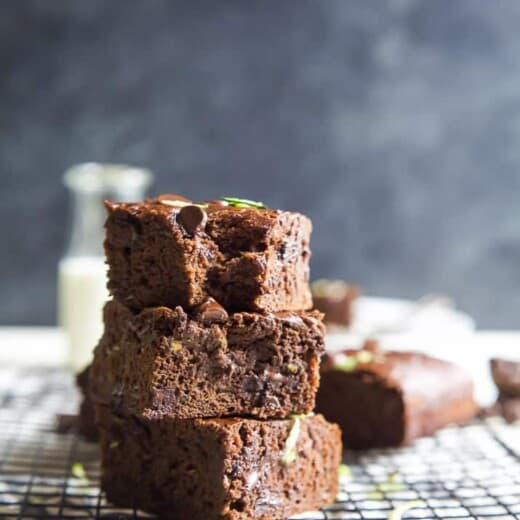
<point x="205" y="469"/>
<point x="162" y="362"/>
<point x="86" y="421"/>
<point x="383" y="399"/>
<point x="334" y="298"/>
<point x="506" y="375"/>
<point x="169" y="251"/>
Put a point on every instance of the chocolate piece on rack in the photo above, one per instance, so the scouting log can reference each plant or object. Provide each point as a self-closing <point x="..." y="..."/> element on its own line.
<point x="162" y="362"/>
<point x="506" y="375"/>
<point x="169" y="251"/>
<point x="334" y="298"/>
<point x="509" y="408"/>
<point x="86" y="421"/>
<point x="220" y="468"/>
<point x="382" y="399"/>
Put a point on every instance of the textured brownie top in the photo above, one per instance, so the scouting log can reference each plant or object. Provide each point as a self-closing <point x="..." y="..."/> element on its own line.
<point x="232" y="228"/>
<point x="506" y="375"/>
<point x="413" y="374"/>
<point x="246" y="256"/>
<point x="165" y="362"/>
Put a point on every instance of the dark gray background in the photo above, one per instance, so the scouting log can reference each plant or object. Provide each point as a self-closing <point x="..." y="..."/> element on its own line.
<point x="395" y="125"/>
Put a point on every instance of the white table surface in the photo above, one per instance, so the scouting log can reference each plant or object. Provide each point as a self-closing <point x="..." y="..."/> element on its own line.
<point x="46" y="346"/>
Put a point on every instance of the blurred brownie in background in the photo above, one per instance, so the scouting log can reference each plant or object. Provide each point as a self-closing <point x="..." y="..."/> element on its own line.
<point x="334" y="298"/>
<point x="388" y="398"/>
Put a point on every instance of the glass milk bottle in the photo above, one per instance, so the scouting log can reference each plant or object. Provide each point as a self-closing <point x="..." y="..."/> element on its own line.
<point x="82" y="271"/>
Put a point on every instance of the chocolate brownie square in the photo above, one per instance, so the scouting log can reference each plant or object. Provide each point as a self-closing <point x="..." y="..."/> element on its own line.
<point x="169" y="251"/>
<point x="385" y="398"/>
<point x="163" y="362"/>
<point x="229" y="469"/>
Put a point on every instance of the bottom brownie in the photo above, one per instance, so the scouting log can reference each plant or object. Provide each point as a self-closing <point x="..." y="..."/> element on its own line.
<point x="219" y="468"/>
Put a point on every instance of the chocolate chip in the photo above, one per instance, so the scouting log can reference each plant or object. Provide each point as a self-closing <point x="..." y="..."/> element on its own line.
<point x="211" y="312"/>
<point x="192" y="218"/>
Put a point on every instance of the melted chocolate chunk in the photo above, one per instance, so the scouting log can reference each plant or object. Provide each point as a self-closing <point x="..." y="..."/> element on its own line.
<point x="211" y="312"/>
<point x="192" y="218"/>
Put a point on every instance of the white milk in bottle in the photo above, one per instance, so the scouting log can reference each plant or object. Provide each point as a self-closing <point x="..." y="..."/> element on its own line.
<point x="82" y="271"/>
<point x="82" y="293"/>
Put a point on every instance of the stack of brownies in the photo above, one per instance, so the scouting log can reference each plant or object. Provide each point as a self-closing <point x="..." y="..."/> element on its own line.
<point x="205" y="378"/>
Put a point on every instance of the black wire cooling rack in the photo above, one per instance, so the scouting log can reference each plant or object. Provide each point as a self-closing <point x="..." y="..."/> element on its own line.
<point x="471" y="472"/>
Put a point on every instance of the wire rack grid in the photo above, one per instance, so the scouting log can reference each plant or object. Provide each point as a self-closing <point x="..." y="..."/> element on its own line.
<point x="462" y="473"/>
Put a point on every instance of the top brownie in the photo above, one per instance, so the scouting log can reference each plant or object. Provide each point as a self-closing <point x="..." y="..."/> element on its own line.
<point x="169" y="251"/>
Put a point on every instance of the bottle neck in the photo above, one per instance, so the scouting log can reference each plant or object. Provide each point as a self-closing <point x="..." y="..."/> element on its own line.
<point x="89" y="185"/>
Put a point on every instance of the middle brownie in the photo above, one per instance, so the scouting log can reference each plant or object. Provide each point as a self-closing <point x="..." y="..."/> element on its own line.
<point x="162" y="362"/>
